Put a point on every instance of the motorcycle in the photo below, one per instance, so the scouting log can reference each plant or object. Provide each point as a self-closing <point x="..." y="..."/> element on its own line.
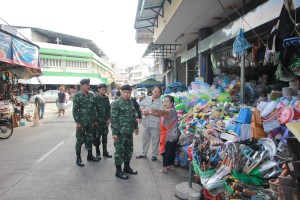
<point x="6" y="129"/>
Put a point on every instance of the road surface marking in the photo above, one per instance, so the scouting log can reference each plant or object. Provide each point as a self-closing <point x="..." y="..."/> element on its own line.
<point x="49" y="152"/>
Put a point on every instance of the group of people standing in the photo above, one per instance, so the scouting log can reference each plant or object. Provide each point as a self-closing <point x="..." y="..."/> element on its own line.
<point x="92" y="117"/>
<point x="160" y="127"/>
<point x="94" y="114"/>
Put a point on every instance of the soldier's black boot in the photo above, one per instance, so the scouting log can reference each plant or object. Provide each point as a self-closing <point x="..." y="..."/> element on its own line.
<point x="120" y="174"/>
<point x="127" y="169"/>
<point x="79" y="161"/>
<point x="105" y="152"/>
<point x="98" y="154"/>
<point x="90" y="157"/>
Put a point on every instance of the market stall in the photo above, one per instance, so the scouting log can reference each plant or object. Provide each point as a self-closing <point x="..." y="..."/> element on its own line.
<point x="19" y="59"/>
<point x="239" y="151"/>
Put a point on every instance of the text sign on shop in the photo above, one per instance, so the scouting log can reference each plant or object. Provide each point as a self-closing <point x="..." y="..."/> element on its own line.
<point x="189" y="55"/>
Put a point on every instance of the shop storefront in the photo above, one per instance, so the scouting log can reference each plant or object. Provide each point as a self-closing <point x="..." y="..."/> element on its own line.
<point x="19" y="59"/>
<point x="239" y="121"/>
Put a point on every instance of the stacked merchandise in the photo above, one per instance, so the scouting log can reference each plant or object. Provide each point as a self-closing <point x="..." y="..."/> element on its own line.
<point x="253" y="157"/>
<point x="237" y="151"/>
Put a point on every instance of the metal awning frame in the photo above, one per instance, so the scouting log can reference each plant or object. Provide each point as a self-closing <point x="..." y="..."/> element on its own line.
<point x="160" y="50"/>
<point x="157" y="9"/>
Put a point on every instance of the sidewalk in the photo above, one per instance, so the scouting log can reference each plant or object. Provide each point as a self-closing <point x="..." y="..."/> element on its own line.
<point x="58" y="177"/>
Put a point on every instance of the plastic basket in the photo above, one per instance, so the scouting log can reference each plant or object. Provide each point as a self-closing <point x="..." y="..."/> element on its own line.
<point x="217" y="184"/>
<point x="204" y="177"/>
<point x="248" y="178"/>
<point x="196" y="167"/>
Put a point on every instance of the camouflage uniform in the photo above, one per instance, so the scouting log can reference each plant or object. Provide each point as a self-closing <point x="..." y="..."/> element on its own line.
<point x="123" y="123"/>
<point x="103" y="114"/>
<point x="84" y="114"/>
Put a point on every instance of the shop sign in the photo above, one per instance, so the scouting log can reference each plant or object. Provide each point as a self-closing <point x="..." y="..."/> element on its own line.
<point x="25" y="54"/>
<point x="5" y="48"/>
<point x="189" y="54"/>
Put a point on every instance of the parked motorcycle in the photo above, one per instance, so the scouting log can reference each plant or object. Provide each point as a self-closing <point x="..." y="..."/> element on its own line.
<point x="6" y="129"/>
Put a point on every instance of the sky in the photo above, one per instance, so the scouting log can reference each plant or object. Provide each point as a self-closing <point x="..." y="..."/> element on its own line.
<point x="109" y="23"/>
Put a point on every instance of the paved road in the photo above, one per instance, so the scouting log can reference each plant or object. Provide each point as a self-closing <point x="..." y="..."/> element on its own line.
<point x="39" y="163"/>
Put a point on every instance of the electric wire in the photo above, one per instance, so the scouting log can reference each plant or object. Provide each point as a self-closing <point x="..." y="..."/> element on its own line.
<point x="261" y="40"/>
<point x="225" y="10"/>
<point x="14" y="29"/>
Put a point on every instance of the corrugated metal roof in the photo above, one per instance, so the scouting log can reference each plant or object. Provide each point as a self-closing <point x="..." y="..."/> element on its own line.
<point x="68" y="40"/>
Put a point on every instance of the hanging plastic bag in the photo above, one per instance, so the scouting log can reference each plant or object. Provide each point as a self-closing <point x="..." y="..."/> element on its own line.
<point x="283" y="74"/>
<point x="240" y="44"/>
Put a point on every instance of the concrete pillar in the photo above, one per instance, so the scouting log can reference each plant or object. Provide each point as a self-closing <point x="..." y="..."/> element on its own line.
<point x="174" y="79"/>
<point x="204" y="57"/>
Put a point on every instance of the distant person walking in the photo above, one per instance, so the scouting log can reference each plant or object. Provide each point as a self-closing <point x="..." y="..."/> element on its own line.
<point x="40" y="104"/>
<point x="61" y="102"/>
<point x="85" y="118"/>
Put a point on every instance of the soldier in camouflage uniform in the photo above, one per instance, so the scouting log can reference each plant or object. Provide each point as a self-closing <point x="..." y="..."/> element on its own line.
<point x="123" y="124"/>
<point x="85" y="118"/>
<point x="103" y="112"/>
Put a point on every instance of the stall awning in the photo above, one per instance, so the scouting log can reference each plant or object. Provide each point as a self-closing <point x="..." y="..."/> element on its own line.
<point x="19" y="57"/>
<point x="147" y="14"/>
<point x="149" y="83"/>
<point x="66" y="78"/>
<point x="160" y="50"/>
<point x="60" y="80"/>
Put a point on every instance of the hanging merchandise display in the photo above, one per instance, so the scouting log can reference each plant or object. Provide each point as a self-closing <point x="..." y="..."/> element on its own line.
<point x="237" y="151"/>
<point x="240" y="44"/>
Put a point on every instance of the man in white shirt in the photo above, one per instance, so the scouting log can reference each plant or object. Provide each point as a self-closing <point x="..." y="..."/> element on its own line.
<point x="151" y="123"/>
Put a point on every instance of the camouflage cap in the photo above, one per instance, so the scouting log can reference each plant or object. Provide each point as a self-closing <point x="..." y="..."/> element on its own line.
<point x="126" y="87"/>
<point x="102" y="85"/>
<point x="85" y="81"/>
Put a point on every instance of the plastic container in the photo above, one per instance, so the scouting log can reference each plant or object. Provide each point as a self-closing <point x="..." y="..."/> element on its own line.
<point x="231" y="127"/>
<point x="238" y="128"/>
<point x="244" y="116"/>
<point x="22" y="123"/>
